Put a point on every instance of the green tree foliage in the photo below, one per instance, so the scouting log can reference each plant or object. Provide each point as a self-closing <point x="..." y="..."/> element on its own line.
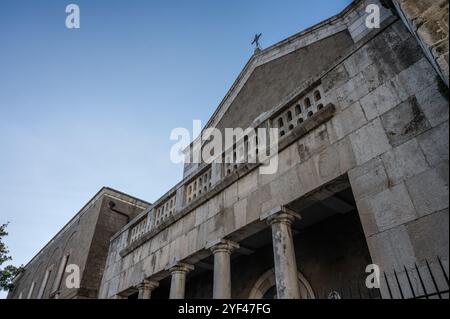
<point x="7" y="273"/>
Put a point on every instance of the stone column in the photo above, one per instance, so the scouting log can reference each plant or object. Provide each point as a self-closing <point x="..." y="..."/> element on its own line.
<point x="222" y="268"/>
<point x="286" y="273"/>
<point x="178" y="283"/>
<point x="146" y="288"/>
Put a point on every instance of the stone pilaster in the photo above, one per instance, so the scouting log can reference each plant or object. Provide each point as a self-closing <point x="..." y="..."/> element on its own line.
<point x="178" y="282"/>
<point x="286" y="273"/>
<point x="222" y="268"/>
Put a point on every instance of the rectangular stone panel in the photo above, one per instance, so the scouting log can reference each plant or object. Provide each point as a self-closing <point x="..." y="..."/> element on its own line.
<point x="405" y="122"/>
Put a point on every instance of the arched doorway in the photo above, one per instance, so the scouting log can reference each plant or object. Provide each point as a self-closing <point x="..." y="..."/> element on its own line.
<point x="265" y="287"/>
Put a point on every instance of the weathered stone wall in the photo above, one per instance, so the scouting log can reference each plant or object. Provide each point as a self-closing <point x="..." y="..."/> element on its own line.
<point x="75" y="241"/>
<point x="428" y="20"/>
<point x="108" y="224"/>
<point x="86" y="240"/>
<point x="401" y="182"/>
<point x="389" y="135"/>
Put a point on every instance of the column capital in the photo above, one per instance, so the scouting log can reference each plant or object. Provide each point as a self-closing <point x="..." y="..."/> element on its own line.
<point x="222" y="245"/>
<point x="148" y="284"/>
<point x="180" y="267"/>
<point x="280" y="214"/>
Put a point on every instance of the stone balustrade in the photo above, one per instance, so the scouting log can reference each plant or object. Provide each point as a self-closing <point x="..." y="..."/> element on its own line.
<point x="198" y="186"/>
<point x="164" y="210"/>
<point x="138" y="230"/>
<point x="302" y="114"/>
<point x="303" y="108"/>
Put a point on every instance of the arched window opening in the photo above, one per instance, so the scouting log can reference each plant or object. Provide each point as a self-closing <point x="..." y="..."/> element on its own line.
<point x="307" y="102"/>
<point x="280" y="122"/>
<point x="317" y="96"/>
<point x="289" y="116"/>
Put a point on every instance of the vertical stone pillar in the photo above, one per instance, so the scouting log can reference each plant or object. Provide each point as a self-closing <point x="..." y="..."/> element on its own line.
<point x="286" y="273"/>
<point x="222" y="268"/>
<point x="178" y="282"/>
<point x="146" y="288"/>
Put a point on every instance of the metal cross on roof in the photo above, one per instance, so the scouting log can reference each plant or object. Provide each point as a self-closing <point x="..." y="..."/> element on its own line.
<point x="256" y="41"/>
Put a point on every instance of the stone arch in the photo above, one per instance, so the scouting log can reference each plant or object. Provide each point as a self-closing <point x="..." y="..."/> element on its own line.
<point x="67" y="251"/>
<point x="20" y="288"/>
<point x="317" y="96"/>
<point x="52" y="263"/>
<point x="30" y="276"/>
<point x="266" y="283"/>
<point x="38" y="273"/>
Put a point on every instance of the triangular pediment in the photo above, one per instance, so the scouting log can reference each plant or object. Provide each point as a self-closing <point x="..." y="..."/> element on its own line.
<point x="272" y="74"/>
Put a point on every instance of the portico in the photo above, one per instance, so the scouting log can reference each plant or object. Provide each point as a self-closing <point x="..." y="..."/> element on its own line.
<point x="284" y="249"/>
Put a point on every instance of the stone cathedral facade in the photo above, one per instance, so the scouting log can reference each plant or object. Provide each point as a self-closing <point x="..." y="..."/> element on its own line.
<point x="363" y="162"/>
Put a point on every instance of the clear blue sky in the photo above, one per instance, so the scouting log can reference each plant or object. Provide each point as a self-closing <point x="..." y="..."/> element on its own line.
<point x="82" y="109"/>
